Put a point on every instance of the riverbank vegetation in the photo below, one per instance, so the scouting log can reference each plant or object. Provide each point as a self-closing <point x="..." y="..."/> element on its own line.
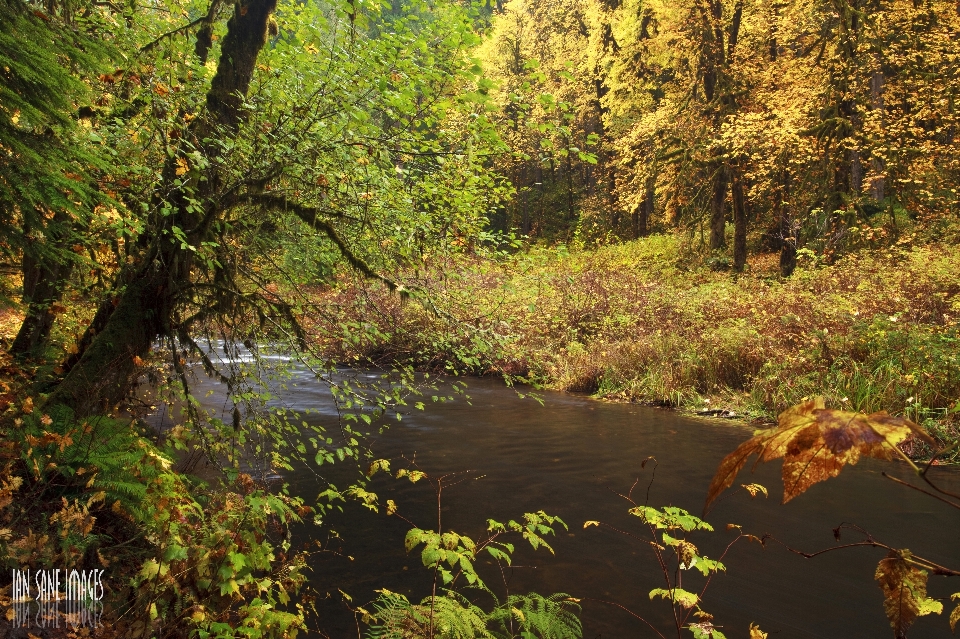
<point x="721" y="206"/>
<point x="644" y="322"/>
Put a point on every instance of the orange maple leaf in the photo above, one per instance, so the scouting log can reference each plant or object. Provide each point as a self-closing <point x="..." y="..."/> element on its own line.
<point x="815" y="443"/>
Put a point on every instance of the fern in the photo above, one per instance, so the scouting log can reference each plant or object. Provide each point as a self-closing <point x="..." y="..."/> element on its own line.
<point x="535" y="616"/>
<point x="452" y="617"/>
<point x="103" y="454"/>
<point x="529" y="616"/>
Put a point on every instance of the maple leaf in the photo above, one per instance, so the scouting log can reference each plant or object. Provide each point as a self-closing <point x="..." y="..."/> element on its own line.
<point x="815" y="443"/>
<point x="904" y="591"/>
<point x="680" y="596"/>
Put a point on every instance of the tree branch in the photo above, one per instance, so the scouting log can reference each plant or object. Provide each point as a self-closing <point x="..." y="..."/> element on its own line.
<point x="311" y="216"/>
<point x="169" y="34"/>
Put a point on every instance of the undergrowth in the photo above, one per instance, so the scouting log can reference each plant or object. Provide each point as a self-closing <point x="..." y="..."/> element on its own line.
<point x="641" y="322"/>
<point x="181" y="558"/>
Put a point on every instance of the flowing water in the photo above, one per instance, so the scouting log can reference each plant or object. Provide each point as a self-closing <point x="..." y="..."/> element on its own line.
<point x="569" y="457"/>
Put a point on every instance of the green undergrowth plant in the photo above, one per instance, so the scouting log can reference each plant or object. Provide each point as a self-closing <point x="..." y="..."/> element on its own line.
<point x="687" y="574"/>
<point x="461" y="604"/>
<point x="182" y="558"/>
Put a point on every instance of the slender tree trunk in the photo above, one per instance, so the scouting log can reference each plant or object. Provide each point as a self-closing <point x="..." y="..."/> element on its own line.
<point x="718" y="208"/>
<point x="643" y="213"/>
<point x="879" y="183"/>
<point x="739" y="223"/>
<point x="44" y="279"/>
<point x="103" y="374"/>
<point x="612" y="201"/>
<point x="788" y="230"/>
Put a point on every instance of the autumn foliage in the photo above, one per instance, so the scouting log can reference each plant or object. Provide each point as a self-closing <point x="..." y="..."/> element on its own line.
<point x="815" y="443"/>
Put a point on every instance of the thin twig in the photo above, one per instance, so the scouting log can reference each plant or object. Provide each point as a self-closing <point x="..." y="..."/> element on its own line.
<point x="917" y="488"/>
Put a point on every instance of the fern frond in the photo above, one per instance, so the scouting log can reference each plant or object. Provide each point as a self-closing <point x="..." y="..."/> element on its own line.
<point x="451" y="616"/>
<point x="533" y="615"/>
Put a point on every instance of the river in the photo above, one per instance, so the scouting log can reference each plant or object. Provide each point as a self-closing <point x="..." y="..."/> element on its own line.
<point x="569" y="457"/>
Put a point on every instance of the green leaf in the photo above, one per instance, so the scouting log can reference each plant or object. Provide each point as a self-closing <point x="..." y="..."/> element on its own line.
<point x="678" y="596"/>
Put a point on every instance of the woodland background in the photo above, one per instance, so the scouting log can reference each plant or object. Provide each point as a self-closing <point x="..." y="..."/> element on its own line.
<point x="723" y="206"/>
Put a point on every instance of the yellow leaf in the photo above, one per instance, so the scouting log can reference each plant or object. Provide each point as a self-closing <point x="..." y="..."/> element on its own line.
<point x="756" y="633"/>
<point x="955" y="615"/>
<point x="904" y="589"/>
<point x="391" y="507"/>
<point x="753" y="489"/>
<point x="587" y="524"/>
<point x="182" y="166"/>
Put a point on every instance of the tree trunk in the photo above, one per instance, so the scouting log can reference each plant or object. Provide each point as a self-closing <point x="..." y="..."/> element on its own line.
<point x="103" y="374"/>
<point x="643" y="213"/>
<point x="43" y="282"/>
<point x="739" y="224"/>
<point x="718" y="210"/>
<point x="878" y="183"/>
<point x="788" y="232"/>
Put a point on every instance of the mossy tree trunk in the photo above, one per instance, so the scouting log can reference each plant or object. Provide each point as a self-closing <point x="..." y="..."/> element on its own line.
<point x="143" y="309"/>
<point x="44" y="279"/>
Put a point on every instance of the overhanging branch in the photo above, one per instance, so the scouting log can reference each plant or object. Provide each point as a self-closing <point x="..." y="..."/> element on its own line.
<point x="312" y="216"/>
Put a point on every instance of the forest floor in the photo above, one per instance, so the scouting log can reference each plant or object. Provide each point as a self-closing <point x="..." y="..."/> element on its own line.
<point x="639" y="322"/>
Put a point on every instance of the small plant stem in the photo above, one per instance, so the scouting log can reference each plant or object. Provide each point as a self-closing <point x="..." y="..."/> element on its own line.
<point x="629" y="612"/>
<point x="917" y="488"/>
<point x="907" y="459"/>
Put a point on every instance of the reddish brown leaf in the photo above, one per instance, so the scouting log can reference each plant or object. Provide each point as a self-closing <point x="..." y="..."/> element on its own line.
<point x="807" y="467"/>
<point x="731" y="466"/>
